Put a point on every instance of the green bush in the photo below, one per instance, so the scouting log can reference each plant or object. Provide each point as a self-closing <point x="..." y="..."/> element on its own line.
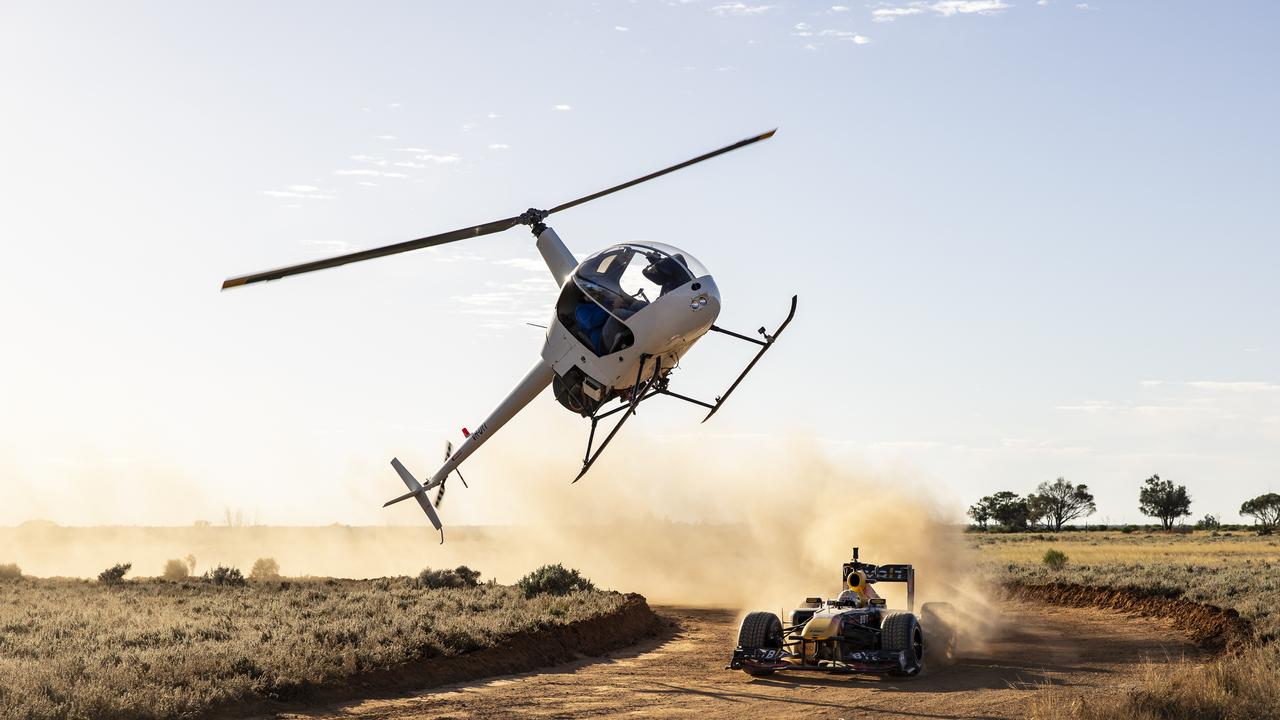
<point x="10" y="571"/>
<point x="459" y="577"/>
<point x="1055" y="559"/>
<point x="265" y="569"/>
<point x="176" y="570"/>
<point x="115" y="573"/>
<point x="553" y="580"/>
<point x="221" y="575"/>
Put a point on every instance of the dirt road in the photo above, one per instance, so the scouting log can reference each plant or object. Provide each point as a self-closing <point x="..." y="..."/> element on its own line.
<point x="682" y="675"/>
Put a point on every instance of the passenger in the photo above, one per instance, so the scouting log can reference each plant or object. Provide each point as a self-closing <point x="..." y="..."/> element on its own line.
<point x="591" y="318"/>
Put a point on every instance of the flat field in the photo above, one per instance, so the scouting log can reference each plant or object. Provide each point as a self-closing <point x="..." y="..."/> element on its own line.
<point x="159" y="649"/>
<point x="1234" y="570"/>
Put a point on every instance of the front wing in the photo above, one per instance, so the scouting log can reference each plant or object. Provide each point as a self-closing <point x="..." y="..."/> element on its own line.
<point x="864" y="661"/>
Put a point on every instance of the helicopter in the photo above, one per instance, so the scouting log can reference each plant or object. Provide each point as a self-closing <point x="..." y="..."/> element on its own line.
<point x="623" y="319"/>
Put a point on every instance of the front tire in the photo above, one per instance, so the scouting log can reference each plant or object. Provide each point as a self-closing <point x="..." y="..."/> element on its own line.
<point x="760" y="630"/>
<point x="901" y="632"/>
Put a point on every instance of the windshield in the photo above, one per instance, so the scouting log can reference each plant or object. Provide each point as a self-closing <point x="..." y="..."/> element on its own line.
<point x="625" y="278"/>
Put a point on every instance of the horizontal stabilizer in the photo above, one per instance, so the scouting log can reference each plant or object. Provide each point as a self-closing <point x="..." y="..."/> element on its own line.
<point x="418" y="492"/>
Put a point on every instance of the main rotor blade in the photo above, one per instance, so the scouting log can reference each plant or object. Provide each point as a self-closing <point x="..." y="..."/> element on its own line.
<point x="475" y="231"/>
<point x="664" y="171"/>
<point x="429" y="241"/>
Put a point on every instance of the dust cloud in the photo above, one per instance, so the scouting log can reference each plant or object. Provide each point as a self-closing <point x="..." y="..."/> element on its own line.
<point x="753" y="530"/>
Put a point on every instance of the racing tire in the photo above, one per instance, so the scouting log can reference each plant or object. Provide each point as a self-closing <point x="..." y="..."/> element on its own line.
<point x="760" y="630"/>
<point x="939" y="621"/>
<point x="901" y="632"/>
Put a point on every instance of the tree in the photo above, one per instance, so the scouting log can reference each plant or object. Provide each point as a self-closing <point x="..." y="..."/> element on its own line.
<point x="1162" y="499"/>
<point x="265" y="569"/>
<point x="1060" y="502"/>
<point x="1009" y="510"/>
<point x="981" y="512"/>
<point x="1265" y="509"/>
<point x="114" y="574"/>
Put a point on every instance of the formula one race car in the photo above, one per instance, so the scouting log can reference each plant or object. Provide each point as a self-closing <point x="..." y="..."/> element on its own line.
<point x="854" y="633"/>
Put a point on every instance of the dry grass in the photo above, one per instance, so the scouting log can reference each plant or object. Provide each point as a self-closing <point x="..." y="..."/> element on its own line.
<point x="1239" y="571"/>
<point x="159" y="649"/>
<point x="1236" y="687"/>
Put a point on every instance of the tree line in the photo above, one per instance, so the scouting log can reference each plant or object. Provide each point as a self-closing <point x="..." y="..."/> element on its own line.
<point x="1054" y="504"/>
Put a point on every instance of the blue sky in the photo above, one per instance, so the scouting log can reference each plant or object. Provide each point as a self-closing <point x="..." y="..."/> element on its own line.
<point x="1029" y="239"/>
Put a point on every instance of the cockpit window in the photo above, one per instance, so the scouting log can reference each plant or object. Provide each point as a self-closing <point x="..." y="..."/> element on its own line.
<point x="625" y="278"/>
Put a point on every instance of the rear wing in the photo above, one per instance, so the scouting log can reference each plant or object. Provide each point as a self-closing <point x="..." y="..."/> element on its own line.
<point x="884" y="573"/>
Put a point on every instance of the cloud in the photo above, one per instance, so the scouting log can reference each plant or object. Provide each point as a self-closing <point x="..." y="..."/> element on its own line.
<point x="1232" y="386"/>
<point x="889" y="14"/>
<point x="563" y="107"/>
<point x="741" y="9"/>
<point x="943" y="8"/>
<point x="839" y="8"/>
<point x="492" y="116"/>
<point x="498" y="146"/>
<point x="296" y="195"/>
<point x="1238" y="386"/>
<point x="447" y="159"/>
<point x="370" y="173"/>
<point x="621" y="28"/>
<point x="1042" y="3"/>
<point x="947" y="8"/>
<point x="1082" y="6"/>
<point x="529" y="264"/>
<point x="303" y="188"/>
<point x="384" y="137"/>
<point x="804" y="30"/>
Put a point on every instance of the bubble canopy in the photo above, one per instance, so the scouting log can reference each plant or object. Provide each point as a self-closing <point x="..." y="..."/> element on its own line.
<point x="625" y="278"/>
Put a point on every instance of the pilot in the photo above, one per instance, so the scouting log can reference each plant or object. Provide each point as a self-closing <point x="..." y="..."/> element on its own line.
<point x="668" y="271"/>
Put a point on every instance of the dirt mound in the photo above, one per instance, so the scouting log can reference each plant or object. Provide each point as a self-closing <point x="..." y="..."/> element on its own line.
<point x="519" y="653"/>
<point x="1211" y="627"/>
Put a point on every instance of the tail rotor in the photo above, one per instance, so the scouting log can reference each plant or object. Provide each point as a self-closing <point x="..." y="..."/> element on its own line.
<point x="448" y="453"/>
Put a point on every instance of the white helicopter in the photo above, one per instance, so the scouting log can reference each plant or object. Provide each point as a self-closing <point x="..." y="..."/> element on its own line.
<point x="624" y="318"/>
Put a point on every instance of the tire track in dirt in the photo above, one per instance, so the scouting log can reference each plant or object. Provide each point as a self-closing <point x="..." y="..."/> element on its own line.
<point x="1034" y="649"/>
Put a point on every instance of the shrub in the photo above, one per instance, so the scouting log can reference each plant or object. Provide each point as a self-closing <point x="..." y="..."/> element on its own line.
<point x="1055" y="559"/>
<point x="459" y="577"/>
<point x="553" y="580"/>
<point x="10" y="571"/>
<point x="265" y="569"/>
<point x="1208" y="522"/>
<point x="115" y="573"/>
<point x="222" y="575"/>
<point x="175" y="570"/>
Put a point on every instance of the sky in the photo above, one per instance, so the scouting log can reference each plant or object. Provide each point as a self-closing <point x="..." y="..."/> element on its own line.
<point x="1030" y="240"/>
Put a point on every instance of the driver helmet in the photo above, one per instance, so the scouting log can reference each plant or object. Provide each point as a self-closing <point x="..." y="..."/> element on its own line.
<point x="850" y="597"/>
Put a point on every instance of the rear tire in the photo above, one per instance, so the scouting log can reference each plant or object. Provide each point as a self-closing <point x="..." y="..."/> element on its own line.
<point x="901" y="632"/>
<point x="760" y="630"/>
<point x="939" y="621"/>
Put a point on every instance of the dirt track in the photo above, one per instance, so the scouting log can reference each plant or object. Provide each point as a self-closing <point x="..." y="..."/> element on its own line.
<point x="681" y="674"/>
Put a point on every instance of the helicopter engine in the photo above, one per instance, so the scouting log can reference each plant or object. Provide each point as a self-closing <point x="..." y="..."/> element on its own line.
<point x="579" y="393"/>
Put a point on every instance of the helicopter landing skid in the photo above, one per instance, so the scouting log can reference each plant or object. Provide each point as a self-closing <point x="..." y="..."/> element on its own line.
<point x="657" y="383"/>
<point x="764" y="347"/>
